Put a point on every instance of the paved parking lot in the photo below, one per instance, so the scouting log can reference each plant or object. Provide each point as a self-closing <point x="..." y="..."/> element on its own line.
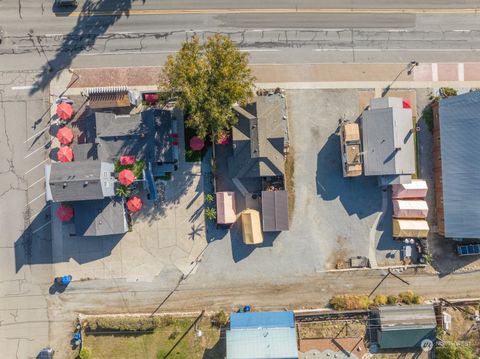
<point x="24" y="218"/>
<point x="334" y="218"/>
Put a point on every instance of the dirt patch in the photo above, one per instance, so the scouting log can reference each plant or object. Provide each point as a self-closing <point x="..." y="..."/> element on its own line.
<point x="289" y="181"/>
<point x="332" y="329"/>
<point x="340" y="257"/>
<point x="463" y="328"/>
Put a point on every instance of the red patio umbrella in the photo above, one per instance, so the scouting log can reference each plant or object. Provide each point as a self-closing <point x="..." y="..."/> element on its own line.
<point x="127" y="160"/>
<point x="406" y="104"/>
<point x="65" y="135"/>
<point x="196" y="143"/>
<point x="126" y="177"/>
<point x="64" y="111"/>
<point x="151" y="97"/>
<point x="64" y="213"/>
<point x="65" y="154"/>
<point x="134" y="204"/>
<point x="223" y="138"/>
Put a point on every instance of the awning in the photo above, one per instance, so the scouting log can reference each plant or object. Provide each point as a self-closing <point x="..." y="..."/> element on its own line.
<point x="251" y="228"/>
<point x="226" y="207"/>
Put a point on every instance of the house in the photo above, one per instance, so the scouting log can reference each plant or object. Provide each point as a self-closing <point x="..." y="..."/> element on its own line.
<point x="261" y="335"/>
<point x="456" y="133"/>
<point x="100" y="217"/>
<point x="387" y="138"/>
<point x="89" y="186"/>
<point x="257" y="164"/>
<point x="79" y="181"/>
<point x="259" y="140"/>
<point x="405" y="327"/>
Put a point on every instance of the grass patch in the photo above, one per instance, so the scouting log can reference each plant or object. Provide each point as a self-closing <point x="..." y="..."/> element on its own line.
<point x="190" y="155"/>
<point x="158" y="343"/>
<point x="289" y="182"/>
<point x="416" y="149"/>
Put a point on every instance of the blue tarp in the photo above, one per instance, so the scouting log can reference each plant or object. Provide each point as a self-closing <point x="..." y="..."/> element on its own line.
<point x="262" y="320"/>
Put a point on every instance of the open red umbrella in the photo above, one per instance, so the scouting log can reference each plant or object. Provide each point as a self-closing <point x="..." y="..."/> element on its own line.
<point x="134" y="204"/>
<point x="126" y="177"/>
<point x="127" y="160"/>
<point x="65" y="154"/>
<point x="64" y="213"/>
<point x="65" y="135"/>
<point x="406" y="104"/>
<point x="196" y="143"/>
<point x="64" y="111"/>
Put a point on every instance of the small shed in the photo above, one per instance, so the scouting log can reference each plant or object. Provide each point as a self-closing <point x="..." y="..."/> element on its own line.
<point x="415" y="189"/>
<point x="405" y="326"/>
<point x="226" y="207"/>
<point x="410" y="228"/>
<point x="251" y="227"/>
<point x="262" y="335"/>
<point x="275" y="211"/>
<point x="410" y="208"/>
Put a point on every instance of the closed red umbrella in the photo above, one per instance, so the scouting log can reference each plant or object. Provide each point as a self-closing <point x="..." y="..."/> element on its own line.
<point x="134" y="204"/>
<point x="127" y="160"/>
<point x="126" y="177"/>
<point x="64" y="111"/>
<point x="65" y="135"/>
<point x="196" y="143"/>
<point x="65" y="154"/>
<point x="64" y="213"/>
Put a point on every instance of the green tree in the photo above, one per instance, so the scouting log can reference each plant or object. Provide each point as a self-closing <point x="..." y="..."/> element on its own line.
<point x="123" y="191"/>
<point x="207" y="79"/>
<point x="451" y="350"/>
<point x="211" y="213"/>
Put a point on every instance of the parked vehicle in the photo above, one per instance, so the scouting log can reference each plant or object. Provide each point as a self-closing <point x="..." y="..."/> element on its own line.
<point x="46" y="353"/>
<point x="351" y="149"/>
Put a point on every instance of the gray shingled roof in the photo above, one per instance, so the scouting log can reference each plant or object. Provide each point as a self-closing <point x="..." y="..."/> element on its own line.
<point x="259" y="138"/>
<point x="100" y="218"/>
<point x="388" y="147"/>
<point x="80" y="181"/>
<point x="460" y="150"/>
<point x="125" y="135"/>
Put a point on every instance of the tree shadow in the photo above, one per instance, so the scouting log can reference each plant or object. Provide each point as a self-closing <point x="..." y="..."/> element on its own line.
<point x="219" y="349"/>
<point x="83" y="35"/>
<point x="359" y="195"/>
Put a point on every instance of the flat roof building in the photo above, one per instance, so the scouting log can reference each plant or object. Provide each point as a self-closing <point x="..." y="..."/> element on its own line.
<point x="262" y="335"/>
<point x="100" y="218"/>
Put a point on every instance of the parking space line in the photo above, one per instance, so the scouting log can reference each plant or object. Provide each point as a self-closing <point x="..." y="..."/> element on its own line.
<point x="34" y="183"/>
<point x="28" y="87"/>
<point x="31" y="169"/>
<point x="33" y="200"/>
<point x="36" y="214"/>
<point x="39" y="228"/>
<point x="37" y="134"/>
<point x="31" y="153"/>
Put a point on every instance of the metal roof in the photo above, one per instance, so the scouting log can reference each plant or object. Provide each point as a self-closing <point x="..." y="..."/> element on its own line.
<point x="459" y="119"/>
<point x="100" y="217"/>
<point x="262" y="320"/>
<point x="405" y="326"/>
<point x="387" y="140"/>
<point x="262" y="343"/>
<point x="80" y="181"/>
<point x="275" y="211"/>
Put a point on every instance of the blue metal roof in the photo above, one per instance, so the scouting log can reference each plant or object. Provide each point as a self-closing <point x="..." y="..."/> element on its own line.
<point x="460" y="151"/>
<point x="262" y="343"/>
<point x="262" y="320"/>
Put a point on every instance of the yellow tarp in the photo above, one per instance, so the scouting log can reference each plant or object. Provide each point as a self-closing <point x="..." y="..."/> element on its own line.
<point x="251" y="227"/>
<point x="410" y="228"/>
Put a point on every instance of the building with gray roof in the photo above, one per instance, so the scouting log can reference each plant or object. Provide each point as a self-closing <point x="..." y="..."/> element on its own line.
<point x="387" y="139"/>
<point x="100" y="217"/>
<point x="405" y="326"/>
<point x="79" y="181"/>
<point x="259" y="139"/>
<point x="456" y="145"/>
